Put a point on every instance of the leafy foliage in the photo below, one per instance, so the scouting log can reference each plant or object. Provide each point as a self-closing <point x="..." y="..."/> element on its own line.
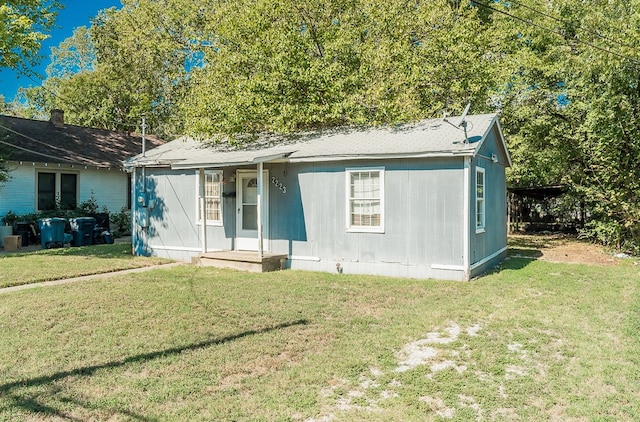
<point x="335" y="63"/>
<point x="23" y="26"/>
<point x="570" y="108"/>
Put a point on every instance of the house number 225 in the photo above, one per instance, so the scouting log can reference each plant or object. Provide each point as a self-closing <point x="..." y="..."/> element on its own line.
<point x="279" y="184"/>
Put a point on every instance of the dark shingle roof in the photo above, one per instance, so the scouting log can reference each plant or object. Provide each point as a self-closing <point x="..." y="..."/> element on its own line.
<point x="43" y="142"/>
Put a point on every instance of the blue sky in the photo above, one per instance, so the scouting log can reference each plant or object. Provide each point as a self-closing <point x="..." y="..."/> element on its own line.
<point x="75" y="13"/>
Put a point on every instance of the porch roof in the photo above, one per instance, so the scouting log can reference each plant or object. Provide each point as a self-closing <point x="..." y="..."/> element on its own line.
<point x="428" y="138"/>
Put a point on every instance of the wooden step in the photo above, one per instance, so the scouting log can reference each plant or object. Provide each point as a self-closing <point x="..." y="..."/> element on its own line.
<point x="242" y="260"/>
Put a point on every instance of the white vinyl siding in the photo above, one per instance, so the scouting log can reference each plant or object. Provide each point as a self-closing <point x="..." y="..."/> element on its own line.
<point x="365" y="200"/>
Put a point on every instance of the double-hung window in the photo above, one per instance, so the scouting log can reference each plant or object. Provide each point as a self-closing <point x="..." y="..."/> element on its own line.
<point x="56" y="189"/>
<point x="480" y="197"/>
<point x="365" y="200"/>
<point x="212" y="197"/>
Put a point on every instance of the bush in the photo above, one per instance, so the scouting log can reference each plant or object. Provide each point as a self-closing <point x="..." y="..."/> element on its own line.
<point x="9" y="218"/>
<point x="121" y="222"/>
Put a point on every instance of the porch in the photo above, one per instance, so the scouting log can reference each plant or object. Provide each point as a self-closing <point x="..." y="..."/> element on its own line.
<point x="242" y="260"/>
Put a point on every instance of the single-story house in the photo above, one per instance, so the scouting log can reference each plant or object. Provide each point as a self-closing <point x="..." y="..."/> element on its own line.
<point x="425" y="200"/>
<point x="52" y="163"/>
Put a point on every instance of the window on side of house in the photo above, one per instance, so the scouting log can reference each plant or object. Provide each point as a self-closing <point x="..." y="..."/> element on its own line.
<point x="212" y="197"/>
<point x="480" y="200"/>
<point x="365" y="200"/>
<point x="57" y="189"/>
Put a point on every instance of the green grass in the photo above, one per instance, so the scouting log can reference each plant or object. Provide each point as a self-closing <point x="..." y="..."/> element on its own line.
<point x="55" y="264"/>
<point x="531" y="341"/>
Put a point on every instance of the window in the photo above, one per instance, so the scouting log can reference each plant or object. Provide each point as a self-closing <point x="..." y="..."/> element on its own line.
<point x="57" y="189"/>
<point x="212" y="197"/>
<point x="365" y="200"/>
<point x="480" y="195"/>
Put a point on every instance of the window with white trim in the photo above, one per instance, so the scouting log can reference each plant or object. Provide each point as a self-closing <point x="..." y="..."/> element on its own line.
<point x="480" y="197"/>
<point x="212" y="197"/>
<point x="56" y="189"/>
<point x="365" y="200"/>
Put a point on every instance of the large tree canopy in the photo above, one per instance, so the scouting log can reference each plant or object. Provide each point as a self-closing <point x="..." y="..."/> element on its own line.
<point x="563" y="73"/>
<point x="571" y="106"/>
<point x="23" y="26"/>
<point x="287" y="65"/>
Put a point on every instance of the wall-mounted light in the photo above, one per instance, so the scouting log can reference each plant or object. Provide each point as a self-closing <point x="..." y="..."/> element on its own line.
<point x="494" y="158"/>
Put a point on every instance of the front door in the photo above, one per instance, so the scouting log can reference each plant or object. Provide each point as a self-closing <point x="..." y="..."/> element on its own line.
<point x="247" y="210"/>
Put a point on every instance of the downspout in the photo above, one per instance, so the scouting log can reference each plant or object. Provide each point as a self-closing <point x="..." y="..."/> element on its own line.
<point x="203" y="210"/>
<point x="466" y="244"/>
<point x="260" y="187"/>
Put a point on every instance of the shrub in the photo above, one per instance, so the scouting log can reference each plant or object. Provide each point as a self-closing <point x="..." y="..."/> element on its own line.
<point x="121" y="222"/>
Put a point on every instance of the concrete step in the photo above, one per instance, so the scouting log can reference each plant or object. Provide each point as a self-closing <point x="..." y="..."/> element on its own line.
<point x="242" y="260"/>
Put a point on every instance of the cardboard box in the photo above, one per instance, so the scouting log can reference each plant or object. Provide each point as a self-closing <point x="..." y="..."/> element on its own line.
<point x="12" y="243"/>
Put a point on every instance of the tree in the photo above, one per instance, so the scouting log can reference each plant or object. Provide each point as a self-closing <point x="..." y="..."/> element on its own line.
<point x="129" y="62"/>
<point x="572" y="107"/>
<point x="23" y="27"/>
<point x="292" y="65"/>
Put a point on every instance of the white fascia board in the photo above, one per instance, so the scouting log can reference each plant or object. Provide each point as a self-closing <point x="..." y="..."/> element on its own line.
<point x="271" y="157"/>
<point x="325" y="158"/>
<point x="503" y="141"/>
<point x="236" y="163"/>
<point x="494" y="122"/>
<point x="191" y="166"/>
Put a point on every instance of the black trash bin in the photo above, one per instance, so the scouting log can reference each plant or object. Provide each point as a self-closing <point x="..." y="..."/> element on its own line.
<point x="82" y="230"/>
<point x="101" y="231"/>
<point x="24" y="229"/>
<point x="52" y="232"/>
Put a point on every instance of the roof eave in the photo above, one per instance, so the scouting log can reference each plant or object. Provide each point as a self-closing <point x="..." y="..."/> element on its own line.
<point x="351" y="157"/>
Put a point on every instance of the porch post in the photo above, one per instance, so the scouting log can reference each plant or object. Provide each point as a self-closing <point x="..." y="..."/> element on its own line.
<point x="260" y="187"/>
<point x="203" y="210"/>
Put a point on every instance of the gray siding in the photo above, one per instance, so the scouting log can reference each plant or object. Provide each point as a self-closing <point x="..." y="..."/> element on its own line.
<point x="424" y="217"/>
<point x="494" y="238"/>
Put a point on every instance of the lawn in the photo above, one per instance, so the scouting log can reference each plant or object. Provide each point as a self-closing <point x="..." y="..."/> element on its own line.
<point x="55" y="264"/>
<point x="532" y="341"/>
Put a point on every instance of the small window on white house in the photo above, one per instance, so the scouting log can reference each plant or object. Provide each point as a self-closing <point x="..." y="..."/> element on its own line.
<point x="480" y="203"/>
<point x="365" y="200"/>
<point x="212" y="197"/>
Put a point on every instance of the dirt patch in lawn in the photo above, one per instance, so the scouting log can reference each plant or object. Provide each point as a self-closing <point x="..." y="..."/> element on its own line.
<point x="559" y="248"/>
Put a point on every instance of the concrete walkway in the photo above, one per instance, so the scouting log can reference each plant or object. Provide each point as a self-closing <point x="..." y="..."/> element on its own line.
<point x="86" y="277"/>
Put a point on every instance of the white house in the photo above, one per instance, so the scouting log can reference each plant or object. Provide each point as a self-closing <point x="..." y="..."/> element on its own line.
<point x="51" y="163"/>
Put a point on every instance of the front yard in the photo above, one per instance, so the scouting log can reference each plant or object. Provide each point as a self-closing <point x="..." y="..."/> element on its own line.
<point x="55" y="264"/>
<point x="534" y="340"/>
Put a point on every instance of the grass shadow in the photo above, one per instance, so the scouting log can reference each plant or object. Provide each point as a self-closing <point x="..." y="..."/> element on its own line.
<point x="524" y="253"/>
<point x="30" y="404"/>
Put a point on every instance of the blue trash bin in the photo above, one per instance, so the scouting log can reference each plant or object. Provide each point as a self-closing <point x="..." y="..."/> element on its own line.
<point x="82" y="230"/>
<point x="52" y="232"/>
